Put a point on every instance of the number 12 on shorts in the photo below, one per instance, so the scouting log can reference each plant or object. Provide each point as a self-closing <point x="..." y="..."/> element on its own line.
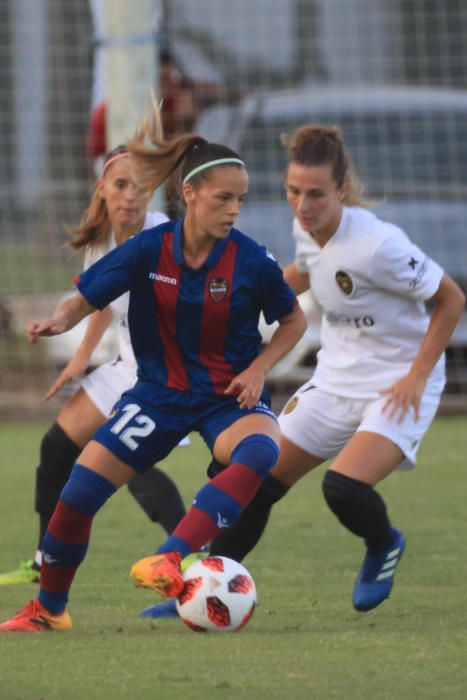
<point x="127" y="434"/>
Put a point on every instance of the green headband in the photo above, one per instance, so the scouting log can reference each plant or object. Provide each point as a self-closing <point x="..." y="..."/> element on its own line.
<point x="211" y="164"/>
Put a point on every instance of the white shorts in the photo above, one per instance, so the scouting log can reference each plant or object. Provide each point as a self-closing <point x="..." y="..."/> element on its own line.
<point x="106" y="384"/>
<point x="322" y="423"/>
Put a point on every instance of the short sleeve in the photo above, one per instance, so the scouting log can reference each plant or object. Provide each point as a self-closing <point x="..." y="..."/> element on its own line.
<point x="399" y="266"/>
<point x="111" y="276"/>
<point x="277" y="298"/>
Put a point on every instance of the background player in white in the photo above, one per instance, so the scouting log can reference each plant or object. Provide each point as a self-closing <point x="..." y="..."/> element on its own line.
<point x="380" y="371"/>
<point x="117" y="210"/>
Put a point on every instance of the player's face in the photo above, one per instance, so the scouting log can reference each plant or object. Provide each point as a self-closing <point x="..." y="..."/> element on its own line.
<point x="315" y="198"/>
<point x="126" y="203"/>
<point x="213" y="208"/>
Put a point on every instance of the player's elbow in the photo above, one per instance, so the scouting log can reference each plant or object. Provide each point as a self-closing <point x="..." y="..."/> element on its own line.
<point x="452" y="295"/>
<point x="460" y="298"/>
<point x="81" y="305"/>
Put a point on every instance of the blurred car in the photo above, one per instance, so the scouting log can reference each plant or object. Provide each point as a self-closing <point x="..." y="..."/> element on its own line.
<point x="409" y="146"/>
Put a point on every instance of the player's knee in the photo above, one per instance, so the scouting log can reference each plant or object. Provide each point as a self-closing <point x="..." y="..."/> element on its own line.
<point x="139" y="483"/>
<point x="340" y="491"/>
<point x="57" y="449"/>
<point x="270" y="490"/>
<point x="86" y="491"/>
<point x="258" y="452"/>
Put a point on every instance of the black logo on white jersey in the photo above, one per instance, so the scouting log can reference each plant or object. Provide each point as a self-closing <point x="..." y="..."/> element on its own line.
<point x="413" y="263"/>
<point x="420" y="273"/>
<point x="335" y="319"/>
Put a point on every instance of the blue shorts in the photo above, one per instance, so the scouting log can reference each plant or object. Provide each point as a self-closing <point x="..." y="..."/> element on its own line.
<point x="149" y="421"/>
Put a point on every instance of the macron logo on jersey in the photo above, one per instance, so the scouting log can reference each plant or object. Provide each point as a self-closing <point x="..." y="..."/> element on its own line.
<point x="162" y="278"/>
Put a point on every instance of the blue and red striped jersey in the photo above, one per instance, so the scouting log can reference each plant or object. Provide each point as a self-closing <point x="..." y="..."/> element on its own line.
<point x="191" y="330"/>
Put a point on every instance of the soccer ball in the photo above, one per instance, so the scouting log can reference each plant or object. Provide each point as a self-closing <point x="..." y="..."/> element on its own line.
<point x="219" y="595"/>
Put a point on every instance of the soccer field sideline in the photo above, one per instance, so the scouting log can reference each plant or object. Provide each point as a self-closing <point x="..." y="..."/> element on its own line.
<point x="304" y="640"/>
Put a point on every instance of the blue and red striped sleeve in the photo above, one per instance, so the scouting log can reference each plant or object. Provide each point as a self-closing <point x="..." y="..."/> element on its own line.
<point x="276" y="297"/>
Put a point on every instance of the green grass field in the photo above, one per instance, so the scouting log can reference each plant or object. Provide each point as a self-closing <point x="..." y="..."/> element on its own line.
<point x="304" y="642"/>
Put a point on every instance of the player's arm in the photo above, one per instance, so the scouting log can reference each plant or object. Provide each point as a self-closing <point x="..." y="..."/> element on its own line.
<point x="448" y="304"/>
<point x="67" y="315"/>
<point x="98" y="323"/>
<point x="249" y="384"/>
<point x="298" y="281"/>
<point x="285" y="337"/>
<point x="278" y="303"/>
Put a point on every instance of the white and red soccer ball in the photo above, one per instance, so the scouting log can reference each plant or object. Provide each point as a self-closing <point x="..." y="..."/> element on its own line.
<point x="219" y="595"/>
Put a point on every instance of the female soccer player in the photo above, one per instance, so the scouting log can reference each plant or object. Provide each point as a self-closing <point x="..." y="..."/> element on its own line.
<point x="380" y="370"/>
<point x="117" y="210"/>
<point x="197" y="287"/>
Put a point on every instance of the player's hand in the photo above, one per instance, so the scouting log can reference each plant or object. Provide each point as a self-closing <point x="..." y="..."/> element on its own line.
<point x="72" y="371"/>
<point x="46" y="327"/>
<point x="247" y="386"/>
<point x="405" y="393"/>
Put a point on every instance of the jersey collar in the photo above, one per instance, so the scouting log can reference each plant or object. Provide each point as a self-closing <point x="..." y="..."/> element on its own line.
<point x="213" y="256"/>
<point x="337" y="234"/>
<point x="342" y="224"/>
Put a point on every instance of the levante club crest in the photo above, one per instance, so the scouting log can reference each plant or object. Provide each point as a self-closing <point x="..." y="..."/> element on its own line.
<point x="218" y="288"/>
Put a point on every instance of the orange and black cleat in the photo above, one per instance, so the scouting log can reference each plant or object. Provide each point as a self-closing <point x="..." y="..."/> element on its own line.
<point x="35" y="618"/>
<point x="161" y="572"/>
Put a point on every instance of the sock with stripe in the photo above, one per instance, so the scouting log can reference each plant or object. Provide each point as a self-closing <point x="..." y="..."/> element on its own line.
<point x="237" y="541"/>
<point x="66" y="540"/>
<point x="359" y="508"/>
<point x="219" y="503"/>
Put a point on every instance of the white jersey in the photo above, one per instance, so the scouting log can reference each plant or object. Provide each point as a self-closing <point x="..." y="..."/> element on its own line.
<point x="120" y="306"/>
<point x="370" y="282"/>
